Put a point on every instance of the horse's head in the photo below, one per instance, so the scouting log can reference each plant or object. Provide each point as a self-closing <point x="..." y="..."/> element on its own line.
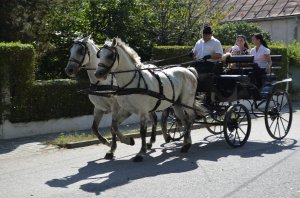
<point x="108" y="55"/>
<point x="79" y="56"/>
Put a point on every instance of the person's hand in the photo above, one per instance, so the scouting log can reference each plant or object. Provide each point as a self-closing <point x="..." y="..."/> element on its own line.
<point x="191" y="54"/>
<point x="268" y="69"/>
<point x="206" y="57"/>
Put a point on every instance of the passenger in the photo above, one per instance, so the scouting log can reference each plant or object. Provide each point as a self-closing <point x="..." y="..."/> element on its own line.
<point x="262" y="57"/>
<point x="241" y="46"/>
<point x="261" y="53"/>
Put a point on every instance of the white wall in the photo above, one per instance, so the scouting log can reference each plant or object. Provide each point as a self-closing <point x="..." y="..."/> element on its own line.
<point x="10" y="130"/>
<point x="283" y="30"/>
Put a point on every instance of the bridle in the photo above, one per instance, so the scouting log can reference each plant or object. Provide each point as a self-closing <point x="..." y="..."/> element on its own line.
<point x="86" y="51"/>
<point x="114" y="57"/>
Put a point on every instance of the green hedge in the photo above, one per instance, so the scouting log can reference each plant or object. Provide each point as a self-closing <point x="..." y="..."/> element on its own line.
<point x="17" y="66"/>
<point x="51" y="99"/>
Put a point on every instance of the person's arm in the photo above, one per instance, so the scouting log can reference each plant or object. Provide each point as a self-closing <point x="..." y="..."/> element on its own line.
<point x="269" y="61"/>
<point x="218" y="52"/>
<point x="216" y="56"/>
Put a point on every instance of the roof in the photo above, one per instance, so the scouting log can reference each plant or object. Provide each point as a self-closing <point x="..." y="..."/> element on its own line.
<point x="253" y="10"/>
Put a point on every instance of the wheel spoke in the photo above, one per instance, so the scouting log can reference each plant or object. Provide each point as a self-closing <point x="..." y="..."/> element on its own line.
<point x="272" y="123"/>
<point x="284" y="119"/>
<point x="278" y="127"/>
<point x="282" y="125"/>
<point x="242" y="118"/>
<point x="238" y="135"/>
<point x="171" y="127"/>
<point x="281" y="102"/>
<point x="275" y="127"/>
<point x="242" y="131"/>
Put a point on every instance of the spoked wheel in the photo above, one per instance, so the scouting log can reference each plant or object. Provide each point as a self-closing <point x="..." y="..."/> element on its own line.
<point x="215" y="120"/>
<point x="278" y="114"/>
<point x="237" y="125"/>
<point x="214" y="124"/>
<point x="172" y="125"/>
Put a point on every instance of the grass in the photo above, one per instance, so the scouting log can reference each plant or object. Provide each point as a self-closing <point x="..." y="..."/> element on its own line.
<point x="77" y="136"/>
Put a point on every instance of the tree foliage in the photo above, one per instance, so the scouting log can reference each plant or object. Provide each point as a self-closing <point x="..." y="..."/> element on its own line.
<point x="52" y="25"/>
<point x="227" y="32"/>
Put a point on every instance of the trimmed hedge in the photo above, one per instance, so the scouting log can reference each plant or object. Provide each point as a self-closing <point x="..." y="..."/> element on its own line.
<point x="17" y="66"/>
<point x="51" y="99"/>
<point x="32" y="100"/>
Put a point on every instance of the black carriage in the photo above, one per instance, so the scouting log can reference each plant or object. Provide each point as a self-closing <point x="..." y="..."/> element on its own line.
<point x="232" y="96"/>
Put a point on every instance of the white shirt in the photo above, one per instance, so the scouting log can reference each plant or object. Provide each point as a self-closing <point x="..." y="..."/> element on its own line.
<point x="259" y="57"/>
<point x="210" y="47"/>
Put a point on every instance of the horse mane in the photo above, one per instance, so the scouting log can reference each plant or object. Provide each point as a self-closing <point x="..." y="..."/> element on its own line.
<point x="136" y="59"/>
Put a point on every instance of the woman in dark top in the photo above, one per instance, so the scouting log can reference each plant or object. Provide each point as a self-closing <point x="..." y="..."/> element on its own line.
<point x="241" y="46"/>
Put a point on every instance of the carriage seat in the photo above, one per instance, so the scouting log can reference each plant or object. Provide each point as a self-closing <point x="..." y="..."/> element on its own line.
<point x="240" y="59"/>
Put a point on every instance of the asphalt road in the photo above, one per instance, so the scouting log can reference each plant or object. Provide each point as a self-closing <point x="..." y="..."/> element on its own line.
<point x="262" y="168"/>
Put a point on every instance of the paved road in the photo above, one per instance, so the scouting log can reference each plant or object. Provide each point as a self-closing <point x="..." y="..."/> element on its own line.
<point x="262" y="168"/>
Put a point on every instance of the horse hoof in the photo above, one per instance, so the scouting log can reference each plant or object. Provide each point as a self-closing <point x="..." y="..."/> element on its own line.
<point x="185" y="148"/>
<point x="131" y="141"/>
<point x="109" y="156"/>
<point x="168" y="139"/>
<point x="138" y="158"/>
<point x="149" y="146"/>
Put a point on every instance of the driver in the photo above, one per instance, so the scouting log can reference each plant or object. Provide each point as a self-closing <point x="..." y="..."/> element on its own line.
<point x="207" y="50"/>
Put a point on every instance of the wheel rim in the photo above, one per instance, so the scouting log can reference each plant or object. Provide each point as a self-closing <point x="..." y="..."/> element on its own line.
<point x="278" y="115"/>
<point x="174" y="127"/>
<point x="237" y="125"/>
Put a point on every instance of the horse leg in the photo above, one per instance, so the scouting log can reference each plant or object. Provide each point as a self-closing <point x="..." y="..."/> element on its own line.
<point x="98" y="114"/>
<point x="153" y="118"/>
<point x="143" y="131"/>
<point x="164" y="125"/>
<point x="185" y="119"/>
<point x="117" y="119"/>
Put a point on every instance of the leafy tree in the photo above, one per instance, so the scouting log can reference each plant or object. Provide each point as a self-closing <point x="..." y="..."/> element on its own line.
<point x="227" y="32"/>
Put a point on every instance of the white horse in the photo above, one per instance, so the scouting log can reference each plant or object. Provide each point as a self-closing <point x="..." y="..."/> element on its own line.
<point x="83" y="53"/>
<point x="178" y="83"/>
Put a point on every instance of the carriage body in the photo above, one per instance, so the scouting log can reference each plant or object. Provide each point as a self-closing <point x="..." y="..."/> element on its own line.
<point x="231" y="98"/>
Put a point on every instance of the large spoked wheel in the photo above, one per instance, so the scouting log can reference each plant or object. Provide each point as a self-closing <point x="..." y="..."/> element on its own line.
<point x="214" y="124"/>
<point x="172" y="126"/>
<point x="237" y="125"/>
<point x="278" y="114"/>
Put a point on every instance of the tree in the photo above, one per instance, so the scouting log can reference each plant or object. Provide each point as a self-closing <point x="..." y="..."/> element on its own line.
<point x="227" y="32"/>
<point x="180" y="21"/>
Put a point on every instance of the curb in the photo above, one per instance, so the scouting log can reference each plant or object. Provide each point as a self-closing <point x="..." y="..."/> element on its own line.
<point x="80" y="144"/>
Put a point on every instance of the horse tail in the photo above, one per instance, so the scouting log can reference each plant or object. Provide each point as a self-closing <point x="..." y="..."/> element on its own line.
<point x="194" y="71"/>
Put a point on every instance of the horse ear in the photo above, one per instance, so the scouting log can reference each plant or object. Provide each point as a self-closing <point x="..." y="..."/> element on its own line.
<point x="114" y="42"/>
<point x="86" y="38"/>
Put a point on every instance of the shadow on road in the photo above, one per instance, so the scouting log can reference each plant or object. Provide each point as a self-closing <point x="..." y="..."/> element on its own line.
<point x="100" y="175"/>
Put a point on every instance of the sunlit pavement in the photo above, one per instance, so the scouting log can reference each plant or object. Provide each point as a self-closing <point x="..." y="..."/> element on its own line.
<point x="261" y="168"/>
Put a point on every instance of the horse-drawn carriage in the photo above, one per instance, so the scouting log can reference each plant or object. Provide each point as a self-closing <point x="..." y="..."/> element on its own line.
<point x="234" y="99"/>
<point x="224" y="101"/>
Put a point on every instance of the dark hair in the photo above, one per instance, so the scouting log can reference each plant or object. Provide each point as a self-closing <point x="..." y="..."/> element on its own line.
<point x="260" y="37"/>
<point x="244" y="38"/>
<point x="207" y="30"/>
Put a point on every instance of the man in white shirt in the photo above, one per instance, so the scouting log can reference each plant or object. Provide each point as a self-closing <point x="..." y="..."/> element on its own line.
<point x="208" y="51"/>
<point x="208" y="48"/>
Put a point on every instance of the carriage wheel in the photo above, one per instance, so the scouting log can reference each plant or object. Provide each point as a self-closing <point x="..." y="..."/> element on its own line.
<point x="211" y="124"/>
<point x="237" y="125"/>
<point x="173" y="126"/>
<point x="278" y="114"/>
